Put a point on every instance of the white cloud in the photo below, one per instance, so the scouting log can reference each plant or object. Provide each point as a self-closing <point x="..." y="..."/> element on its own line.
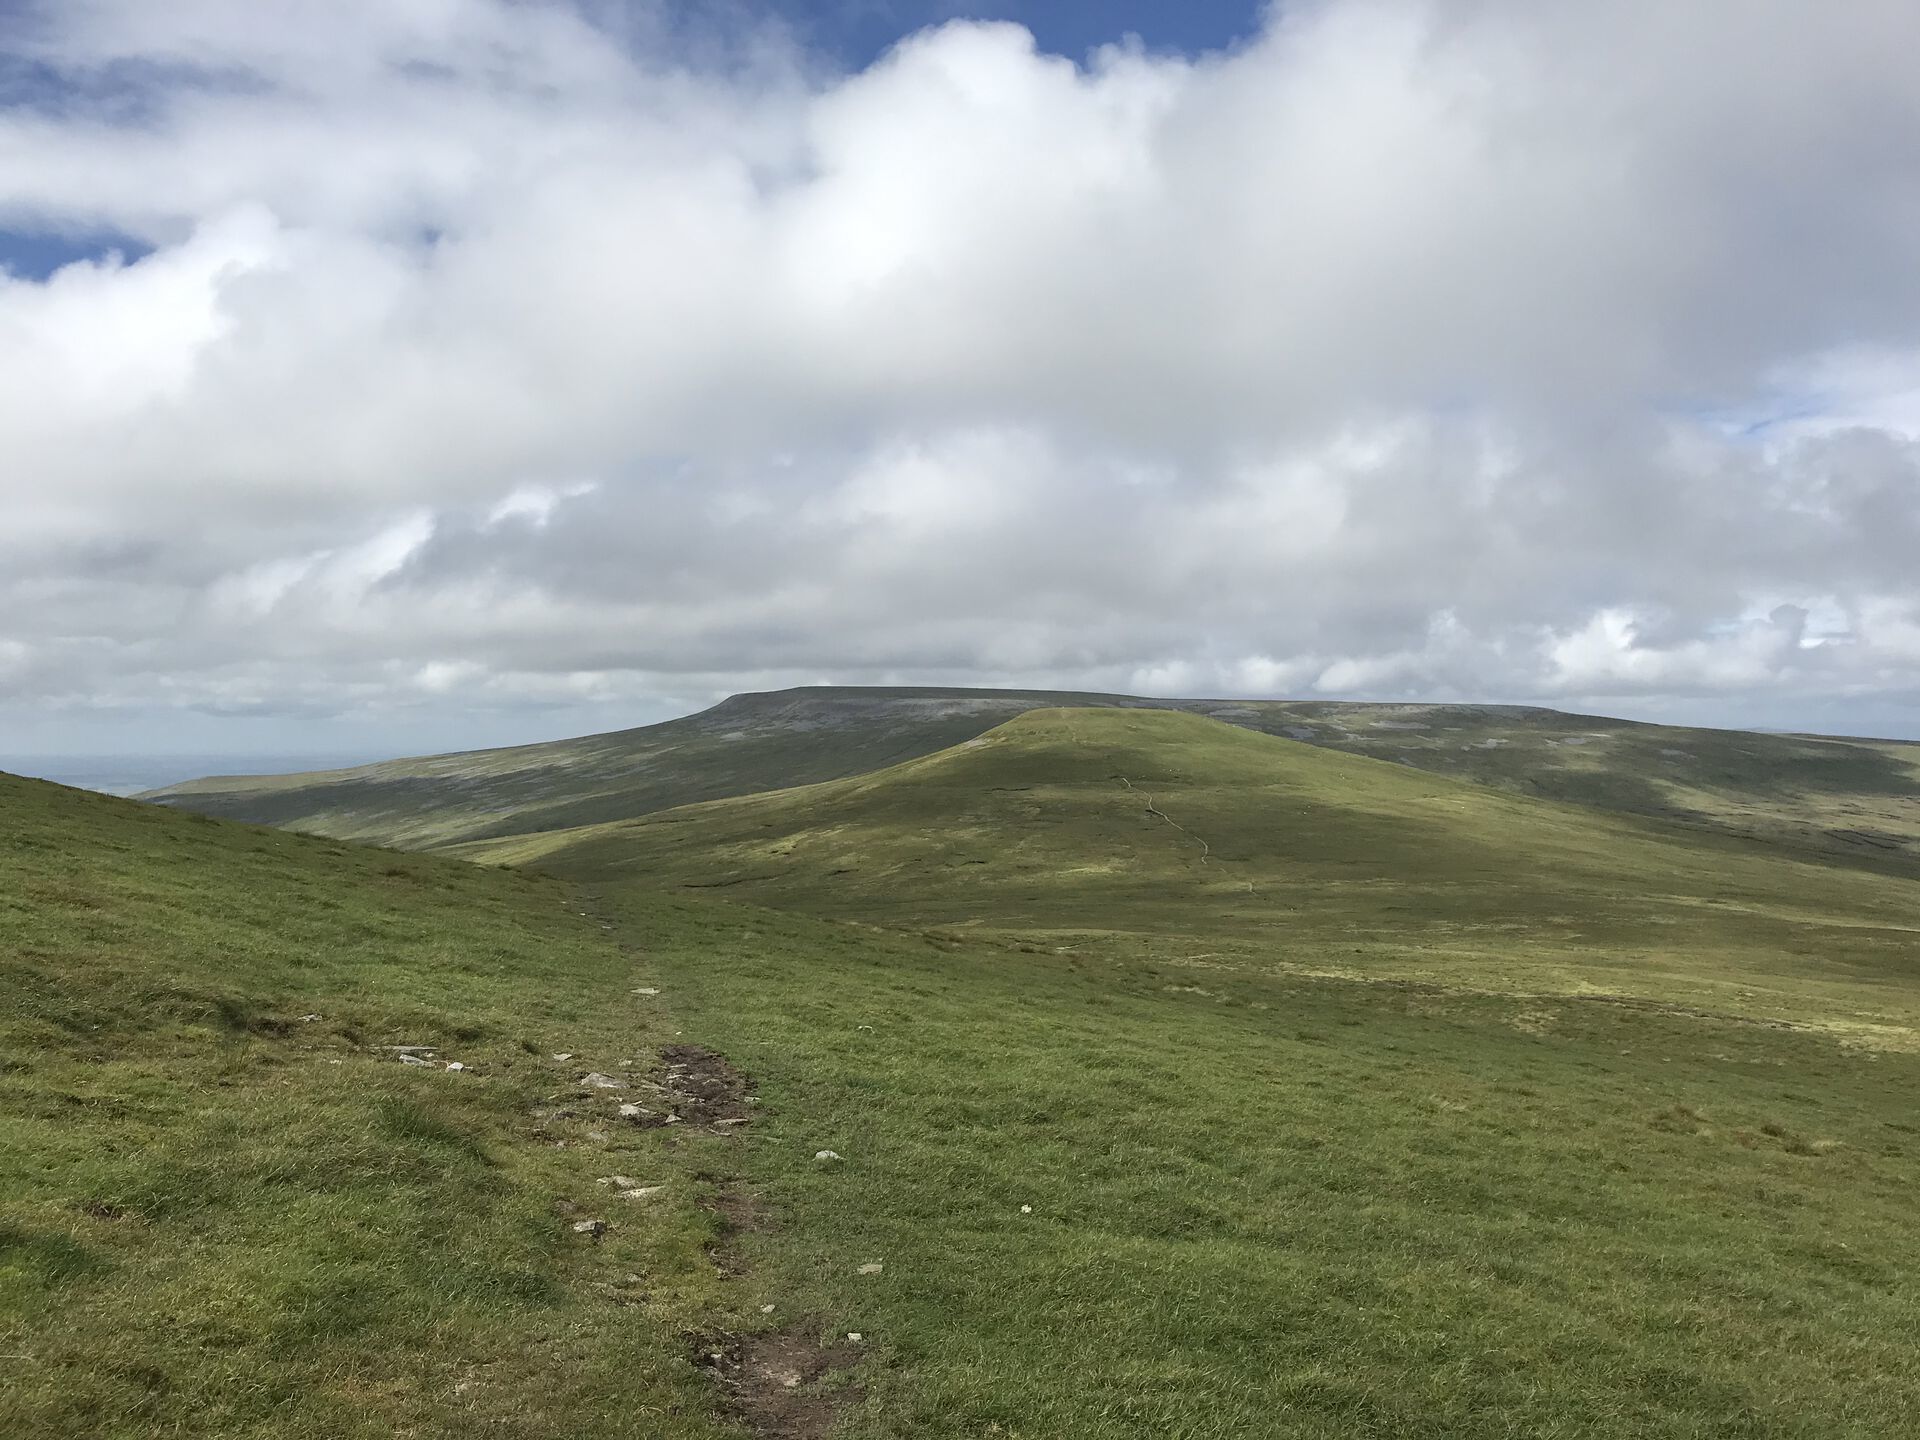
<point x="487" y="352"/>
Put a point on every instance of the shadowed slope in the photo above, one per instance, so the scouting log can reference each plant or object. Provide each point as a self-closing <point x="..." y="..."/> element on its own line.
<point x="1180" y="835"/>
<point x="1860" y="799"/>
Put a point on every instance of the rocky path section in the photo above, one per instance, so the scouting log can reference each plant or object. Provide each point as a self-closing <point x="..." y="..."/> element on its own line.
<point x="773" y="1381"/>
<point x="780" y="1383"/>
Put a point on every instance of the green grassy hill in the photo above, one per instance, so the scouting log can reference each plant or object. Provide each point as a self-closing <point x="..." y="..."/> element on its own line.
<point x="745" y="744"/>
<point x="1203" y="843"/>
<point x="1324" y="1098"/>
<point x="1858" y="798"/>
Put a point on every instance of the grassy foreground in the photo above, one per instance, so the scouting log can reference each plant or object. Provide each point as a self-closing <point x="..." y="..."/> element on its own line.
<point x="1284" y="1206"/>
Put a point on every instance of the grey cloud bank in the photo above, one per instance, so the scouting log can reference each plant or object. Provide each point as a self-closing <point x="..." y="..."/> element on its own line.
<point x="498" y="371"/>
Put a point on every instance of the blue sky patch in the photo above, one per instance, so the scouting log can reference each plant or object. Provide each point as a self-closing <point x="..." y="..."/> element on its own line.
<point x="34" y="255"/>
<point x="857" y="31"/>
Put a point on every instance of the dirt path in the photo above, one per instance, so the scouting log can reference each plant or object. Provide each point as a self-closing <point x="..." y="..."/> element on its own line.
<point x="1206" y="850"/>
<point x="767" y="1380"/>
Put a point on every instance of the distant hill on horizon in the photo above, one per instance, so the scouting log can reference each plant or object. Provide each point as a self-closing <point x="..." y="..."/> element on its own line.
<point x="1859" y="798"/>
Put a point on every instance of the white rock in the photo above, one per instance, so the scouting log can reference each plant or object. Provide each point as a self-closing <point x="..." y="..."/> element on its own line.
<point x="455" y="1065"/>
<point x="564" y="1055"/>
<point x="641" y="1192"/>
<point x="872" y="1267"/>
<point x="594" y="1080"/>
<point x="414" y="1060"/>
<point x="589" y="1227"/>
<point x="309" y="1019"/>
<point x="766" y="1309"/>
<point x="1026" y="1209"/>
<point x="630" y="1111"/>
<point x="646" y="990"/>
<point x="855" y="1336"/>
<point x="826" y="1155"/>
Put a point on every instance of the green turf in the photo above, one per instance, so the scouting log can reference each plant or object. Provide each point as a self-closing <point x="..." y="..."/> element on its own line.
<point x="219" y="1218"/>
<point x="1290" y="1207"/>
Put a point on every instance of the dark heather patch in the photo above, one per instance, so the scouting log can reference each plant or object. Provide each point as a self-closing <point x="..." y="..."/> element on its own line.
<point x="771" y="1381"/>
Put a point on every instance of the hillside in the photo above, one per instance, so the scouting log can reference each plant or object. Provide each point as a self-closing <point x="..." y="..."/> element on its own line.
<point x="1476" y="1115"/>
<point x="1114" y="1159"/>
<point x="1181" y="837"/>
<point x="1851" y="797"/>
<point x="230" y="1208"/>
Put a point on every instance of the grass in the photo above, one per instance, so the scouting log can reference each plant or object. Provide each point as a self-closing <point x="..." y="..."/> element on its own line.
<point x="1477" y="1115"/>
<point x="221" y="1217"/>
<point x="1272" y="1205"/>
<point x="749" y="743"/>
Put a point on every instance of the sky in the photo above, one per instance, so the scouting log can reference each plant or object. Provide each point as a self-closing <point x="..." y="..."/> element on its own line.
<point x="383" y="376"/>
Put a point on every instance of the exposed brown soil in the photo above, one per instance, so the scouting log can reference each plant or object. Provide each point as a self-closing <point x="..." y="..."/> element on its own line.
<point x="701" y="1089"/>
<point x="771" y="1381"/>
<point x="736" y="1213"/>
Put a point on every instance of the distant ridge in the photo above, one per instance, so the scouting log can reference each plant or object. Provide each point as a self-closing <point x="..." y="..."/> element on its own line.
<point x="1853" y="798"/>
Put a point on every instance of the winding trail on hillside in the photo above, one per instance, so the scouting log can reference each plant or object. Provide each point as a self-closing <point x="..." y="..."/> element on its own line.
<point x="1206" y="850"/>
